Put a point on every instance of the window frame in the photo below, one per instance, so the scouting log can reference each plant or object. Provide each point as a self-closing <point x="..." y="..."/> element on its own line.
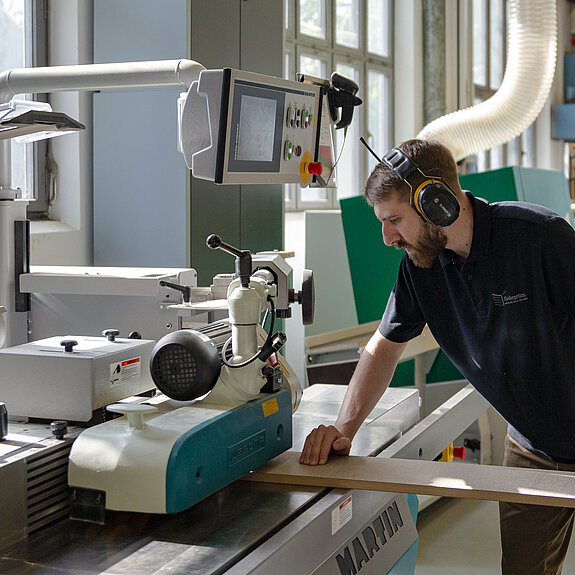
<point x="26" y="172"/>
<point x="524" y="143"/>
<point x="27" y="163"/>
<point x="296" y="44"/>
<point x="387" y="71"/>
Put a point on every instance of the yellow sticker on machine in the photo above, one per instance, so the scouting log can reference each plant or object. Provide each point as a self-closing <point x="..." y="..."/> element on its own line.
<point x="270" y="407"/>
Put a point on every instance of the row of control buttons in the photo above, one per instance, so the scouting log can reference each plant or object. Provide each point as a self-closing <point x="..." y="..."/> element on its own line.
<point x="291" y="150"/>
<point x="297" y="118"/>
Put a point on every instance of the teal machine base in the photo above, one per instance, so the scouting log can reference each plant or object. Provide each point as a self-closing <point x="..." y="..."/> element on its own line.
<point x="176" y="457"/>
<point x="224" y="449"/>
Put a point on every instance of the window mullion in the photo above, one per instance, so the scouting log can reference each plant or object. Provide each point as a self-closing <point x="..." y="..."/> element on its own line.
<point x="36" y="156"/>
<point x="354" y="52"/>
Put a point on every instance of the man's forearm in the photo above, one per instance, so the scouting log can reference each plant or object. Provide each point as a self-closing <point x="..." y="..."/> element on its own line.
<point x="368" y="383"/>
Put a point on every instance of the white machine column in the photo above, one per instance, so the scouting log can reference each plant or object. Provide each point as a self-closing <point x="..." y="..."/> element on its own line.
<point x="14" y="254"/>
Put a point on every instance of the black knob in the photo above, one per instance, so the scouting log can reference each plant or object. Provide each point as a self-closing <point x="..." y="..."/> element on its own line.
<point x="68" y="345"/>
<point x="305" y="297"/>
<point x="59" y="428"/>
<point x="111" y="334"/>
<point x="213" y="241"/>
<point x="134" y="335"/>
<point x="267" y="370"/>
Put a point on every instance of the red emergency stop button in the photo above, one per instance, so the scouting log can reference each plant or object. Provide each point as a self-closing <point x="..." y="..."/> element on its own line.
<point x="459" y="452"/>
<point x="314" y="168"/>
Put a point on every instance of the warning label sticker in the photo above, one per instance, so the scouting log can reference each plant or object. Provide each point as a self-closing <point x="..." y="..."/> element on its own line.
<point x="270" y="407"/>
<point x="341" y="515"/>
<point x="125" y="371"/>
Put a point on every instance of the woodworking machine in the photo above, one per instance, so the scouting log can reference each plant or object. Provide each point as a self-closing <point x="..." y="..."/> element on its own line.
<point x="224" y="406"/>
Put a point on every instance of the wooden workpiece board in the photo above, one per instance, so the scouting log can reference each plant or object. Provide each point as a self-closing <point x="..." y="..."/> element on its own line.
<point x="468" y="481"/>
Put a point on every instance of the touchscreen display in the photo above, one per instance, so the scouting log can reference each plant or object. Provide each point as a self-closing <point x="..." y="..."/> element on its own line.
<point x="256" y="129"/>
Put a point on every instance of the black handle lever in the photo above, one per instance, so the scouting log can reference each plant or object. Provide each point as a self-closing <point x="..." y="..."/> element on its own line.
<point x="243" y="257"/>
<point x="186" y="290"/>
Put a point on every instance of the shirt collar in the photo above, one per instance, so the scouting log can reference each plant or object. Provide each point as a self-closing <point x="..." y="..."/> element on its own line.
<point x="481" y="233"/>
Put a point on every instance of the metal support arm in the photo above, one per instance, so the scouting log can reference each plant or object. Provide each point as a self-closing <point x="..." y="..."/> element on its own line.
<point x="86" y="77"/>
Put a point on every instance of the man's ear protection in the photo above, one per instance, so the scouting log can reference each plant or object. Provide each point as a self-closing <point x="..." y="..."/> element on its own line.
<point x="431" y="198"/>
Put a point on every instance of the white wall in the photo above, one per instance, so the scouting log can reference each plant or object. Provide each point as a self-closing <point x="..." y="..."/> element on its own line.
<point x="70" y="238"/>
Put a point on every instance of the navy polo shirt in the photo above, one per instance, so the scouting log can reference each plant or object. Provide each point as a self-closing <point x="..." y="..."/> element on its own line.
<point x="505" y="317"/>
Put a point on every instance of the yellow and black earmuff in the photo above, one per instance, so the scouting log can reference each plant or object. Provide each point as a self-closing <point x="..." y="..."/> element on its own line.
<point x="431" y="198"/>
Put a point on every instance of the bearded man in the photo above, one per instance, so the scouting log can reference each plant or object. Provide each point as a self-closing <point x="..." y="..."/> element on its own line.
<point x="495" y="283"/>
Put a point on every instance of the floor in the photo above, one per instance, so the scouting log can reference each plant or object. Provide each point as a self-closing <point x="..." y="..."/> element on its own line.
<point x="462" y="536"/>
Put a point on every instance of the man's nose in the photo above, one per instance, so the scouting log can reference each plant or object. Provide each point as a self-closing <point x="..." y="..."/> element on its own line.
<point x="389" y="233"/>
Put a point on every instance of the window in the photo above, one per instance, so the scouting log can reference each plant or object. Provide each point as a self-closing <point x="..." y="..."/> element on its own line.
<point x="353" y="38"/>
<point x="22" y="44"/>
<point x="489" y="26"/>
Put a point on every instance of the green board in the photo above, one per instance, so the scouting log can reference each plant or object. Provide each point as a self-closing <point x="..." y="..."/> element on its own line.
<point x="547" y="188"/>
<point x="373" y="266"/>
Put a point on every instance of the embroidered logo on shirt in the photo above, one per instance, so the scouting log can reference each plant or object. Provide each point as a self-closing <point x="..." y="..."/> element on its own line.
<point x="501" y="300"/>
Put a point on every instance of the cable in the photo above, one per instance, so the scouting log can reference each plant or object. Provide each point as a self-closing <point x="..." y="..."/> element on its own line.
<point x="326" y="183"/>
<point x="257" y="354"/>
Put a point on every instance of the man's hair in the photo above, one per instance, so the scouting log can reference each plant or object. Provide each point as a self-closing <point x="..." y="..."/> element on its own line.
<point x="432" y="158"/>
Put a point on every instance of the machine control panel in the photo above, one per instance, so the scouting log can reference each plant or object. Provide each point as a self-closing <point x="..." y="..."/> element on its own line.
<point x="261" y="129"/>
<point x="298" y="117"/>
<point x="298" y="121"/>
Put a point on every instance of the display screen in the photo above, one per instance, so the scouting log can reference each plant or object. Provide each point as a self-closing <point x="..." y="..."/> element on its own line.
<point x="255" y="137"/>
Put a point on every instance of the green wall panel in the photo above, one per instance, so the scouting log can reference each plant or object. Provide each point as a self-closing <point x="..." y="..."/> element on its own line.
<point x="247" y="217"/>
<point x="262" y="217"/>
<point x="495" y="185"/>
<point x="213" y="210"/>
<point x="223" y="34"/>
<point x="547" y="188"/>
<point x="373" y="266"/>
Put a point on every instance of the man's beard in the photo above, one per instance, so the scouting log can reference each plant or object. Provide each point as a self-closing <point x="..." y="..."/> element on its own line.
<point x="430" y="242"/>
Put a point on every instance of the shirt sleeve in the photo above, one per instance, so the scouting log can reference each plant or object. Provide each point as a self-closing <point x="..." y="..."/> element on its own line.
<point x="402" y="319"/>
<point x="558" y="259"/>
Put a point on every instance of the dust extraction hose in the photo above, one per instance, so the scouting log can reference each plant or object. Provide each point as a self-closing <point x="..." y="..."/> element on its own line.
<point x="529" y="71"/>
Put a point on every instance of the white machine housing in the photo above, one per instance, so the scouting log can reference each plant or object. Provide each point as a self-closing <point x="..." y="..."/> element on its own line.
<point x="87" y="300"/>
<point x="41" y="380"/>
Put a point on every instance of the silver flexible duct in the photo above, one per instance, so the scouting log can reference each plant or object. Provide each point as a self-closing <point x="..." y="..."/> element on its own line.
<point x="529" y="72"/>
